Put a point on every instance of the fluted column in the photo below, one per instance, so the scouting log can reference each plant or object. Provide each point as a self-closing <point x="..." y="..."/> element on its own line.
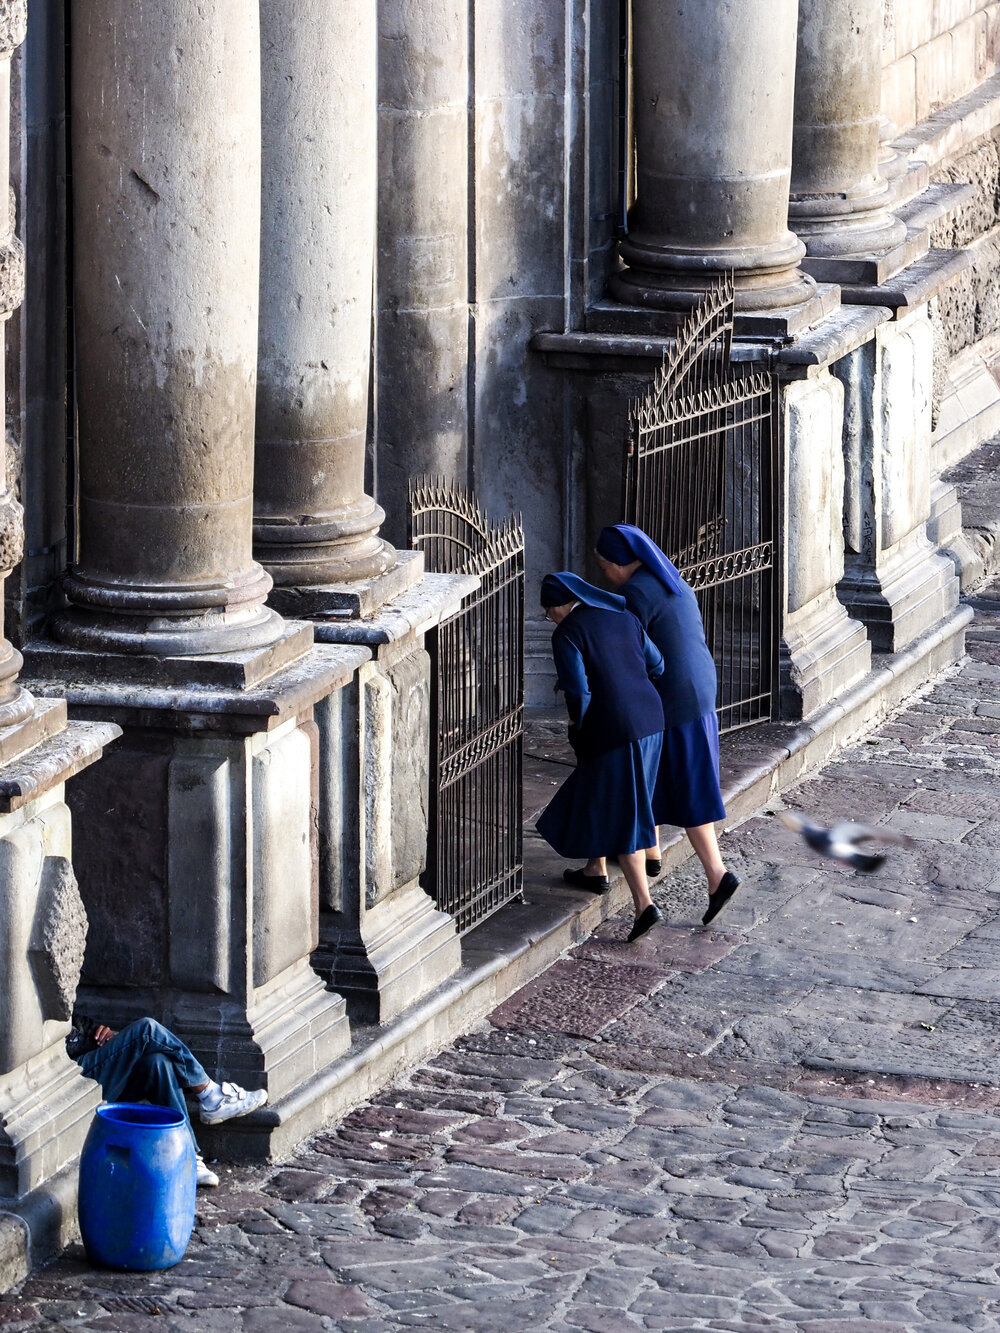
<point x="839" y="203"/>
<point x="714" y="85"/>
<point x="314" y="524"/>
<point x="16" y="704"/>
<point x="166" y="186"/>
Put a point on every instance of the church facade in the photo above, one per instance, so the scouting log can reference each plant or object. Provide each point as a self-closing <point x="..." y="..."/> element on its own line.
<point x="263" y="265"/>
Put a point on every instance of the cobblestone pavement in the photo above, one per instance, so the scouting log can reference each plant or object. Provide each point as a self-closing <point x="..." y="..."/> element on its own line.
<point x="786" y="1123"/>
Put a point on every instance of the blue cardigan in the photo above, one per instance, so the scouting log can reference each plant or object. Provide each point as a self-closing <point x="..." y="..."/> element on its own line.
<point x="605" y="665"/>
<point x="673" y="621"/>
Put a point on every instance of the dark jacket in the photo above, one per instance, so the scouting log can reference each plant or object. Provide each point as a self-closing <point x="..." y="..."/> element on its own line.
<point x="605" y="665"/>
<point x="673" y="621"/>
<point x="81" y="1036"/>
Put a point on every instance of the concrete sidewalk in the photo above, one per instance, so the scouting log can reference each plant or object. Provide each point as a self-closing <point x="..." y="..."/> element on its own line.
<point x="787" y="1122"/>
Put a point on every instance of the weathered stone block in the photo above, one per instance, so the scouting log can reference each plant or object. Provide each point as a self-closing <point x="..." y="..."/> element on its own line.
<point x="520" y="190"/>
<point x="285" y="905"/>
<point x="414" y="73"/>
<point x="913" y="26"/>
<point x="934" y="79"/>
<point x="383" y="943"/>
<point x="905" y="427"/>
<point x="968" y="54"/>
<point x="815" y="488"/>
<point x="899" y="92"/>
<point x="520" y="49"/>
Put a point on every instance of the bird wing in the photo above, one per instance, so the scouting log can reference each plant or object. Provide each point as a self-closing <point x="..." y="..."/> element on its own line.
<point x="852" y="834"/>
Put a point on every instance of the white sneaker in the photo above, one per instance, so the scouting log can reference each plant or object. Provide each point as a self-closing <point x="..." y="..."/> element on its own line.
<point x="205" y="1175"/>
<point x="233" y="1101"/>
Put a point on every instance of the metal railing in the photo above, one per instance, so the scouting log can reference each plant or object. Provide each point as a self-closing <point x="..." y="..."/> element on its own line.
<point x="475" y="862"/>
<point x="701" y="477"/>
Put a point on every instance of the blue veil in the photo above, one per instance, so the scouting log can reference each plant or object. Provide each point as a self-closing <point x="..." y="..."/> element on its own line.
<point x="624" y="542"/>
<point x="558" y="589"/>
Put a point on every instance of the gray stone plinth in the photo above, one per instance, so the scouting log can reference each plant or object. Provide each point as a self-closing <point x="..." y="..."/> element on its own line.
<point x="45" y="1102"/>
<point x="313" y="522"/>
<point x="823" y="650"/>
<point x="359" y="599"/>
<point x="197" y="858"/>
<point x="894" y="579"/>
<point x="383" y="943"/>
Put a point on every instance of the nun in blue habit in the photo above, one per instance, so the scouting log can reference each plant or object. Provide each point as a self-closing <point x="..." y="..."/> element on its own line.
<point x="606" y="665"/>
<point x="687" y="790"/>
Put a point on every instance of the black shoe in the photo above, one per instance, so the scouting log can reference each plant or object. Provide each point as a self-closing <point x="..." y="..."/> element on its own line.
<point x="653" y="866"/>
<point x="728" y="885"/>
<point x="651" y="917"/>
<point x="592" y="883"/>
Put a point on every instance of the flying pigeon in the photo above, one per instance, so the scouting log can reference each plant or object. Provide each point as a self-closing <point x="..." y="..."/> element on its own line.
<point x="841" y="841"/>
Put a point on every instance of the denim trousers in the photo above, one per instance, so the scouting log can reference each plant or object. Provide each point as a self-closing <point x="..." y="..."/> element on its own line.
<point x="145" y="1062"/>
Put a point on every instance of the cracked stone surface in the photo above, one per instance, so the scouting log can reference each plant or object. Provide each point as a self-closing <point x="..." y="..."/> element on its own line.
<point x="789" y="1122"/>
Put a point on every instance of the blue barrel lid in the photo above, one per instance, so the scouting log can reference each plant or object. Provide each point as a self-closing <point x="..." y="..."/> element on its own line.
<point x="140" y="1115"/>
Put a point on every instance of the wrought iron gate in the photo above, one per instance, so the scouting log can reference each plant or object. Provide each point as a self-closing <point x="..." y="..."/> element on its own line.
<point x="477" y="711"/>
<point x="702" y="474"/>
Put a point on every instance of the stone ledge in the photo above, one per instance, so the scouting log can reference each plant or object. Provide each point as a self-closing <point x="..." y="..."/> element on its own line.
<point x="417" y="610"/>
<point x="955" y="127"/>
<point x="289" y="691"/>
<point x="52" y="761"/>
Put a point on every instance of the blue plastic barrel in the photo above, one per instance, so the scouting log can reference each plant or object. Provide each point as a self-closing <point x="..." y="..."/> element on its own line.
<point x="137" y="1187"/>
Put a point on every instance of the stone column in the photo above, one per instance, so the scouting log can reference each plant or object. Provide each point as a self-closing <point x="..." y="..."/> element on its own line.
<point x="714" y="85"/>
<point x="314" y="524"/>
<point x="426" y="226"/>
<point x="839" y="203"/>
<point x="166" y="186"/>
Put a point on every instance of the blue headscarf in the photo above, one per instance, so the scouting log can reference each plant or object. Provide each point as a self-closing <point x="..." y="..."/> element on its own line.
<point x="624" y="542"/>
<point x="558" y="589"/>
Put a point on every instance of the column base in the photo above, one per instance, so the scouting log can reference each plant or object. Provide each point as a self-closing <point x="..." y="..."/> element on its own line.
<point x="903" y="598"/>
<point x="173" y="622"/>
<point x="823" y="653"/>
<point x="350" y="601"/>
<point x="403" y="949"/>
<point x="862" y="262"/>
<point x="619" y="317"/>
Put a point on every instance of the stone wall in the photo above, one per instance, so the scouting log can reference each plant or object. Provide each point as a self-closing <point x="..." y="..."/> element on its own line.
<point x="934" y="53"/>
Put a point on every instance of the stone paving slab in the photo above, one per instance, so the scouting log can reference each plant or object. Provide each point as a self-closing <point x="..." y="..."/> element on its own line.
<point x="791" y="1121"/>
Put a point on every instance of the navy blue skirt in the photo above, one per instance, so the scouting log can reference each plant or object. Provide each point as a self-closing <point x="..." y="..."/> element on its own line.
<point x="604" y="807"/>
<point x="687" y="791"/>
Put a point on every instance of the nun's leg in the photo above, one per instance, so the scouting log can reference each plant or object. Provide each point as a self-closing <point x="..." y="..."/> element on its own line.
<point x="633" y="866"/>
<point x="706" y="847"/>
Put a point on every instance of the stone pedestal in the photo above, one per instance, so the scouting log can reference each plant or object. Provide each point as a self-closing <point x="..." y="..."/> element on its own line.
<point x="197" y="858"/>
<point x="45" y="1102"/>
<point x="313" y="522"/>
<point x="383" y="943"/>
<point x="713" y="155"/>
<point x="894" y="579"/>
<point x="840" y="203"/>
<point x="823" y="650"/>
